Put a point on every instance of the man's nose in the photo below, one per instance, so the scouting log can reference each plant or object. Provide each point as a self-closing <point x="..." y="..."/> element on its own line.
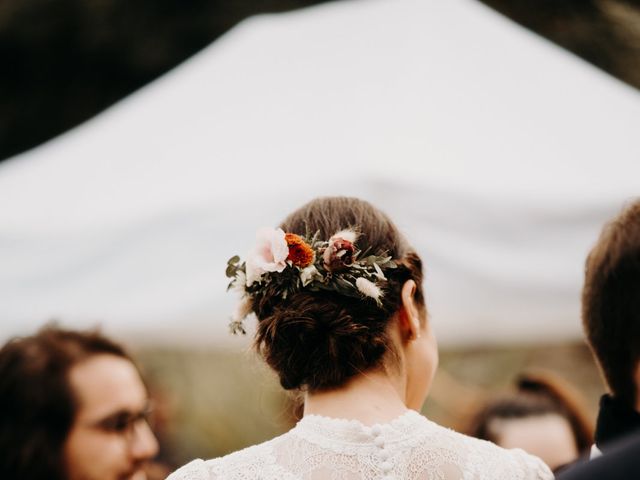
<point x="143" y="444"/>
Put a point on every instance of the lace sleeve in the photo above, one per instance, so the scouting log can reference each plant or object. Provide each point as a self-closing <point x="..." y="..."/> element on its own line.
<point x="195" y="470"/>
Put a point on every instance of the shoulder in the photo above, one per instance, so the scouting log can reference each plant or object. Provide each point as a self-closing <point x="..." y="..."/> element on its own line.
<point x="195" y="470"/>
<point x="485" y="457"/>
<point x="252" y="462"/>
<point x="532" y="467"/>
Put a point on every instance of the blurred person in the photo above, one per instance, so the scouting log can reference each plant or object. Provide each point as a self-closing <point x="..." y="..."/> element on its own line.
<point x="342" y="319"/>
<point x="74" y="407"/>
<point x="611" y="319"/>
<point x="544" y="417"/>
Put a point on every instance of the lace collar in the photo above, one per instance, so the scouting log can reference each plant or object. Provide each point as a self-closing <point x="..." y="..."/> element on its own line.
<point x="322" y="430"/>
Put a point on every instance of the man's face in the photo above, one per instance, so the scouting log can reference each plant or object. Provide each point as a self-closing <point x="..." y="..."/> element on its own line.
<point x="110" y="438"/>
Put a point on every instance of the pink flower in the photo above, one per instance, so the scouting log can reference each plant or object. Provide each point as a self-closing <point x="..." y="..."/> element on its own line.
<point x="348" y="235"/>
<point x="269" y="255"/>
<point x="339" y="252"/>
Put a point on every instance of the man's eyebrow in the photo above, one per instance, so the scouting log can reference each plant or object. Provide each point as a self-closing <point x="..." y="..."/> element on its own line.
<point x="126" y="412"/>
<point x="121" y="413"/>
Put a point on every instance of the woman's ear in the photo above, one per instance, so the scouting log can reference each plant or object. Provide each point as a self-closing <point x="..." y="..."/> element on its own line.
<point x="409" y="313"/>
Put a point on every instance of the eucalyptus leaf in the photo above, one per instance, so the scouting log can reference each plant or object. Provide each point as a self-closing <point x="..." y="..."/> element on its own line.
<point x="231" y="271"/>
<point x="344" y="283"/>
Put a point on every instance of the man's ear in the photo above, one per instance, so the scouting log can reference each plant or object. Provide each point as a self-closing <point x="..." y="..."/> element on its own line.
<point x="409" y="318"/>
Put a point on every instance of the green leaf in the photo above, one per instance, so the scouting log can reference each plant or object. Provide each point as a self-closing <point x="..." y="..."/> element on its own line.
<point x="232" y="266"/>
<point x="231" y="271"/>
<point x="344" y="283"/>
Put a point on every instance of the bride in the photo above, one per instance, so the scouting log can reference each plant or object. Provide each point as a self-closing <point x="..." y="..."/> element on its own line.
<point x="337" y="291"/>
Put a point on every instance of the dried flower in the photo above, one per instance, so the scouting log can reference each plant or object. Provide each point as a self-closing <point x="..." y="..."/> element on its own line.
<point x="368" y="288"/>
<point x="300" y="253"/>
<point x="239" y="281"/>
<point x="269" y="255"/>
<point x="309" y="274"/>
<point x="242" y="310"/>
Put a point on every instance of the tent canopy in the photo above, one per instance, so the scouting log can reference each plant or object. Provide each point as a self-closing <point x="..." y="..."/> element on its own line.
<point x="498" y="154"/>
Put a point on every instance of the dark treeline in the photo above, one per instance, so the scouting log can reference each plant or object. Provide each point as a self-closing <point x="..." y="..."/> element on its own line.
<point x="603" y="32"/>
<point x="63" y="61"/>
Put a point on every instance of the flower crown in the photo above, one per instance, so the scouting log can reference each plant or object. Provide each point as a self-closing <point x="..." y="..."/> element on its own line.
<point x="287" y="263"/>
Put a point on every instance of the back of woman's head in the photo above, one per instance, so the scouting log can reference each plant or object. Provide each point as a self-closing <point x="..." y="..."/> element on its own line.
<point x="318" y="339"/>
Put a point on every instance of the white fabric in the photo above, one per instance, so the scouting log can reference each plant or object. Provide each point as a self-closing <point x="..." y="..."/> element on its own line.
<point x="595" y="452"/>
<point x="408" y="448"/>
<point x="498" y="153"/>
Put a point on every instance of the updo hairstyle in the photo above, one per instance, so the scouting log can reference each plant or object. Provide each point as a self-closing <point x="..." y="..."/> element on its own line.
<point x="318" y="340"/>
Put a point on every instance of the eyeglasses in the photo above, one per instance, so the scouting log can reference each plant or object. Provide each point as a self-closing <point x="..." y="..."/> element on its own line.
<point x="124" y="422"/>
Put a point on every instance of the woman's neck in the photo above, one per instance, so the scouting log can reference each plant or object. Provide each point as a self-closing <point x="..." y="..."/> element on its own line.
<point x="372" y="397"/>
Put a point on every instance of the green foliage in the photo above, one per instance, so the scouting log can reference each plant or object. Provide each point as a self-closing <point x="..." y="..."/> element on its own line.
<point x="346" y="266"/>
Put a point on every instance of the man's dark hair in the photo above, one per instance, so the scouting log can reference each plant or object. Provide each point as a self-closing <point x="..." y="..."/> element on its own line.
<point x="611" y="302"/>
<point x="37" y="403"/>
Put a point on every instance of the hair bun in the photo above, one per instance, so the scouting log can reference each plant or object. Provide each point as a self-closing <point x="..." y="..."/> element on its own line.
<point x="320" y="341"/>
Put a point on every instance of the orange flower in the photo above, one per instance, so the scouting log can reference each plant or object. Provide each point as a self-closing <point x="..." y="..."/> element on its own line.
<point x="300" y="254"/>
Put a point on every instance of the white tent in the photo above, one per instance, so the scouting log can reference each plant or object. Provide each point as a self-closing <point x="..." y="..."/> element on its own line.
<point x="498" y="154"/>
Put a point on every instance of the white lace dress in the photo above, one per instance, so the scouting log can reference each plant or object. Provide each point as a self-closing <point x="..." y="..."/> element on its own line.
<point x="408" y="448"/>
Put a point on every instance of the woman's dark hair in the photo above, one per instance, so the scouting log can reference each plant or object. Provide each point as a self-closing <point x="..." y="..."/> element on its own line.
<point x="37" y="403"/>
<point x="536" y="394"/>
<point x="318" y="340"/>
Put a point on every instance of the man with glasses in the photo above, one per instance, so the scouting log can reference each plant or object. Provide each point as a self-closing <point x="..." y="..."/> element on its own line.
<point x="72" y="407"/>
